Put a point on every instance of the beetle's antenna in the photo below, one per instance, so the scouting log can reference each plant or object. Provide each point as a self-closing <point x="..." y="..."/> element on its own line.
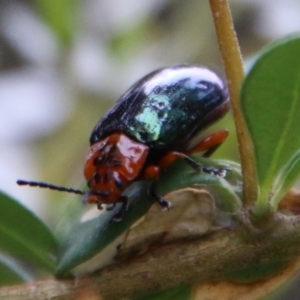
<point x="50" y="186"/>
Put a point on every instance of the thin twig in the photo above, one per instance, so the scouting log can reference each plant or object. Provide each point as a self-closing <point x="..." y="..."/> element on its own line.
<point x="233" y="65"/>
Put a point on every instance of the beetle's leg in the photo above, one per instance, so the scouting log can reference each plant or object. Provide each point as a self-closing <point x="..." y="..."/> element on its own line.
<point x="119" y="215"/>
<point x="111" y="207"/>
<point x="99" y="206"/>
<point x="170" y="157"/>
<point x="162" y="202"/>
<point x="151" y="172"/>
<point x="199" y="168"/>
<point x="211" y="143"/>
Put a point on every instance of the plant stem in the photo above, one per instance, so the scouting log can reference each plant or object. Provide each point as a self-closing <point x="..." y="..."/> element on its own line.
<point x="188" y="262"/>
<point x="234" y="70"/>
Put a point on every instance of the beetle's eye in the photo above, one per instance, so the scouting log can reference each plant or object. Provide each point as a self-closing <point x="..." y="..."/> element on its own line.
<point x="97" y="177"/>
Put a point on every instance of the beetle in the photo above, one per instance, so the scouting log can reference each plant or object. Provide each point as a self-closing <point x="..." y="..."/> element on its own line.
<point x="151" y="126"/>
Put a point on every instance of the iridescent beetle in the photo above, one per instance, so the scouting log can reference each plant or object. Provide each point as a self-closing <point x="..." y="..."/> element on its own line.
<point x="150" y="127"/>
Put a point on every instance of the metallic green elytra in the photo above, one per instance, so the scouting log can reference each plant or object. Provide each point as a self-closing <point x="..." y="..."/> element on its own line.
<point x="167" y="107"/>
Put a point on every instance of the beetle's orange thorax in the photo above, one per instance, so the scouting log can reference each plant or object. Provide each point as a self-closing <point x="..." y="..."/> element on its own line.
<point x="112" y="164"/>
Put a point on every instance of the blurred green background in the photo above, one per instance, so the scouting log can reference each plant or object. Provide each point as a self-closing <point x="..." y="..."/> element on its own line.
<point x="63" y="63"/>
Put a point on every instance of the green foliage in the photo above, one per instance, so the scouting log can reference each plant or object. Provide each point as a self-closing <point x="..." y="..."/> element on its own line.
<point x="125" y="44"/>
<point x="24" y="238"/>
<point x="271" y="105"/>
<point x="83" y="240"/>
<point x="12" y="271"/>
<point x="61" y="18"/>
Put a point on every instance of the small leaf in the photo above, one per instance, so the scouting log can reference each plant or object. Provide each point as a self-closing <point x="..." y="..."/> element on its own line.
<point x="271" y="105"/>
<point x="12" y="272"/>
<point x="24" y="236"/>
<point x="227" y="192"/>
<point x="83" y="240"/>
<point x="192" y="215"/>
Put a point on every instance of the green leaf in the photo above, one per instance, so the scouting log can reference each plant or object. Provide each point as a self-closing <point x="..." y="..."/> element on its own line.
<point x="83" y="240"/>
<point x="227" y="192"/>
<point x="271" y="104"/>
<point x="12" y="272"/>
<point x="24" y="236"/>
